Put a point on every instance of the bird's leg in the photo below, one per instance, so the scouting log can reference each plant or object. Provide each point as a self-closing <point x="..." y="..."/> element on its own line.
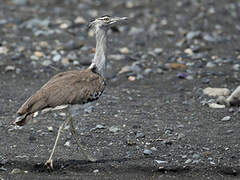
<point x="49" y="162"/>
<point x="72" y="129"/>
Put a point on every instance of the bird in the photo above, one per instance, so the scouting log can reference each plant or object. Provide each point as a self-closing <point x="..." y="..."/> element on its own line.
<point x="73" y="87"/>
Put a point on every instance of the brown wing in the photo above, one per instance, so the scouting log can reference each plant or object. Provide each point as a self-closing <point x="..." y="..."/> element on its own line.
<point x="71" y="87"/>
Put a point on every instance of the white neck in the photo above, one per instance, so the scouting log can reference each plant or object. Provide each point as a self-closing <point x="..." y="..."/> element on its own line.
<point x="101" y="51"/>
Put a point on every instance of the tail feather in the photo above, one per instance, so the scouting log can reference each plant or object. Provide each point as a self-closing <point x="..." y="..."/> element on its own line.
<point x="23" y="119"/>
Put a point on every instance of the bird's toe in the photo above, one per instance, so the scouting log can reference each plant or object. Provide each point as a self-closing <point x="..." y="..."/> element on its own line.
<point x="49" y="164"/>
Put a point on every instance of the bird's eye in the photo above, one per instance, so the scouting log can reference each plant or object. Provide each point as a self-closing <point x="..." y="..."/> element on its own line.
<point x="106" y="19"/>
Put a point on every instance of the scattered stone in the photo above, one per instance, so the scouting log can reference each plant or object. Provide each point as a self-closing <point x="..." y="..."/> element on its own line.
<point x="161" y="162"/>
<point x="188" y="161"/>
<point x="196" y="156"/>
<point x="135" y="31"/>
<point x="158" y="51"/>
<point x="65" y="61"/>
<point x="124" y="50"/>
<point x="216" y="91"/>
<point x="147" y="71"/>
<point x="193" y="34"/>
<point x="44" y="44"/>
<point x="169" y="33"/>
<point x="88" y="108"/>
<point x="153" y="149"/>
<point x="73" y="44"/>
<point x="10" y="68"/>
<point x="35" y="23"/>
<point x="16" y="171"/>
<point x="196" y="161"/>
<point x="180" y="136"/>
<point x="50" y="129"/>
<point x="67" y="144"/>
<point x="209" y="38"/>
<point x="181" y="75"/>
<point x="236" y="67"/>
<point x="175" y="66"/>
<point x="46" y="63"/>
<point x="147" y="152"/>
<point x="96" y="171"/>
<point x="64" y="26"/>
<point x="189" y="77"/>
<point x="212" y="163"/>
<point x="205" y="80"/>
<point x="188" y="51"/>
<point x="117" y="57"/>
<point x="114" y="129"/>
<point x="19" y="2"/>
<point x="216" y="106"/>
<point x="226" y="118"/>
<point x="229" y="131"/>
<point x="80" y="20"/>
<point x="57" y="57"/>
<point x="125" y="69"/>
<point x="130" y="142"/>
<point x="3" y="50"/>
<point x="140" y="135"/>
<point x="99" y="126"/>
<point x="38" y="54"/>
<point x="210" y="65"/>
<point x="2" y="169"/>
<point x="132" y="78"/>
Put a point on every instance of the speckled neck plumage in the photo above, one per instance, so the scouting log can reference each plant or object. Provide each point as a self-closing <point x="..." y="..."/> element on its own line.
<point x="101" y="51"/>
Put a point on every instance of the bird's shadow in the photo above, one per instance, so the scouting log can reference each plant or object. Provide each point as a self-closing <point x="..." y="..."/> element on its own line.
<point x="88" y="166"/>
<point x="84" y="166"/>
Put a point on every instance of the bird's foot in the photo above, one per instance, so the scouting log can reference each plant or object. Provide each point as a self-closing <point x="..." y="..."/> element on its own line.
<point x="49" y="164"/>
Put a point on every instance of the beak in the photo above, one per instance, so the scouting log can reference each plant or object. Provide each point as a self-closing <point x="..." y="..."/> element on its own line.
<point x="118" y="19"/>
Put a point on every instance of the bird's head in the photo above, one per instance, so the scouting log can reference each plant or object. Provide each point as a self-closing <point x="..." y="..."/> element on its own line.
<point x="105" y="22"/>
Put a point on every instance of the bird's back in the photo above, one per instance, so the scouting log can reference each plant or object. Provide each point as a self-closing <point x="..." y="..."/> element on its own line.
<point x="71" y="87"/>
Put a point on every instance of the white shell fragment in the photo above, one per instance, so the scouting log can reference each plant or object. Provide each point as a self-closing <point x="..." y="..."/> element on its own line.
<point x="216" y="91"/>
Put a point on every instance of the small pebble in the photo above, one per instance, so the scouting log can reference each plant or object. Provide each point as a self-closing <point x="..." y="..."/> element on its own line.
<point x="210" y="65"/>
<point x="114" y="129"/>
<point x="181" y="75"/>
<point x="38" y="54"/>
<point x="46" y="62"/>
<point x="216" y="91"/>
<point x="158" y="50"/>
<point x="2" y="169"/>
<point x="140" y="135"/>
<point x="188" y="51"/>
<point x="10" y="68"/>
<point x="205" y="80"/>
<point x="67" y="143"/>
<point x="80" y="20"/>
<point x="57" y="57"/>
<point x="147" y="152"/>
<point x="99" y="126"/>
<point x="124" y="50"/>
<point x="16" y="171"/>
<point x="3" y="50"/>
<point x="50" y="129"/>
<point x="216" y="106"/>
<point x="160" y="162"/>
<point x="131" y="78"/>
<point x="226" y="118"/>
<point x="153" y="149"/>
<point x="188" y="161"/>
<point x="96" y="171"/>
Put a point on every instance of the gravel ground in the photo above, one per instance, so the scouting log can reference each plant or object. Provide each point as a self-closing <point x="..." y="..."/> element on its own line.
<point x="153" y="121"/>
